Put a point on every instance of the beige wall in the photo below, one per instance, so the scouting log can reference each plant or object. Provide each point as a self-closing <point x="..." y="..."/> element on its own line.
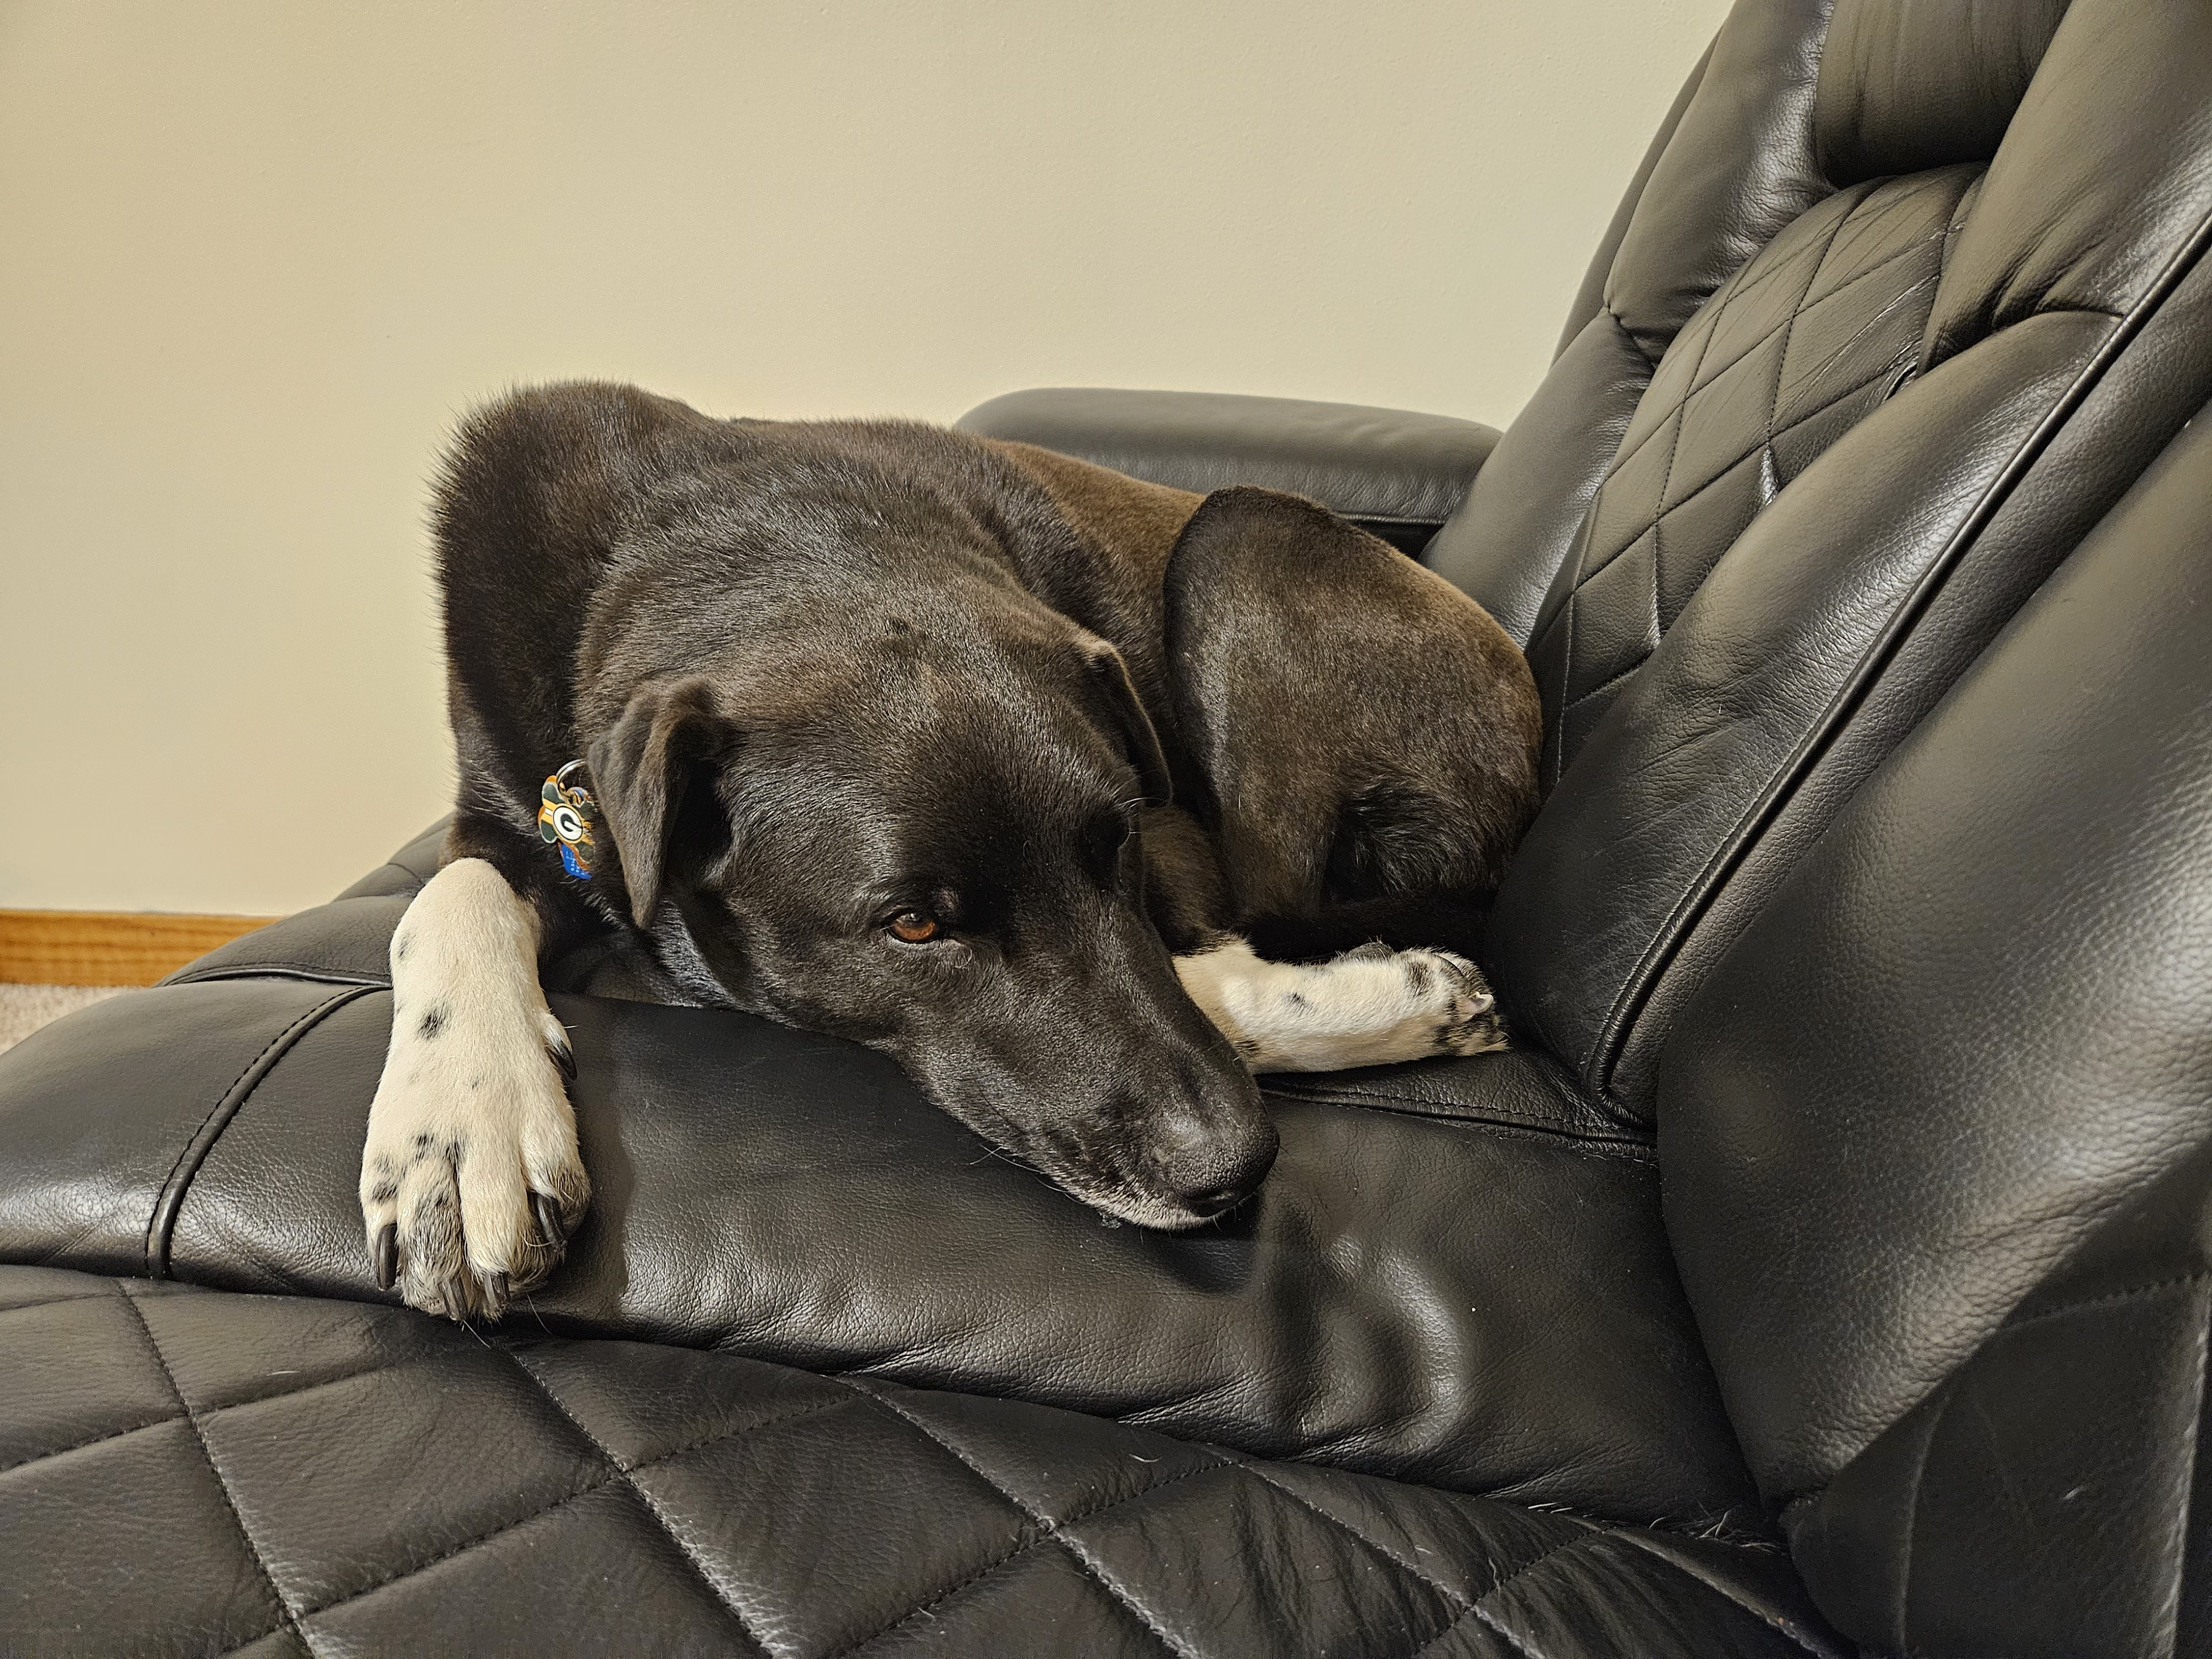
<point x="255" y="257"/>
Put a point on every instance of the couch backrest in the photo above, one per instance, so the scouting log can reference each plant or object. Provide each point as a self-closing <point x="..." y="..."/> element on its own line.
<point x="1937" y="1137"/>
<point x="1862" y="544"/>
<point x="1906" y="299"/>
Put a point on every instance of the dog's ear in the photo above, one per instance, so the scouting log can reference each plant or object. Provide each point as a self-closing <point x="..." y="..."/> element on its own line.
<point x="1110" y="675"/>
<point x="658" y="757"/>
<point x="1362" y="726"/>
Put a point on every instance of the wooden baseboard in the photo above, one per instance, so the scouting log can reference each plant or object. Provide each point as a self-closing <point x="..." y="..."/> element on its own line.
<point x="108" y="947"/>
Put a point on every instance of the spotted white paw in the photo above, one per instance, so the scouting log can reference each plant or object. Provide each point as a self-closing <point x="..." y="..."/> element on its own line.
<point x="470" y="1182"/>
<point x="1372" y="1006"/>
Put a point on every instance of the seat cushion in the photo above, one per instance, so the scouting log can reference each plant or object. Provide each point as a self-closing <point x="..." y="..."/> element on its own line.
<point x="184" y="1471"/>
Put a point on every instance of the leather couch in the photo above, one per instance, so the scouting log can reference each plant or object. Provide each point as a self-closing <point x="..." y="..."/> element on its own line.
<point x="1824" y="1270"/>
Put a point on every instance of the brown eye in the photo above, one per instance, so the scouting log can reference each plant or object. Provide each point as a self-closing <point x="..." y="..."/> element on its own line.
<point x="914" y="927"/>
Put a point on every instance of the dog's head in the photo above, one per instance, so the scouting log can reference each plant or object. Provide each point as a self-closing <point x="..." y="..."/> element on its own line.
<point x="911" y="819"/>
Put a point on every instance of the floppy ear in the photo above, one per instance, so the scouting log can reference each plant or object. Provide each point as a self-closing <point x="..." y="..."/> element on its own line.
<point x="1111" y="676"/>
<point x="1365" y="728"/>
<point x="646" y="766"/>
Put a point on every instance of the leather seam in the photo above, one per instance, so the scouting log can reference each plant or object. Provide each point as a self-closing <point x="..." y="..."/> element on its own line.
<point x="2204" y="1343"/>
<point x="379" y="1367"/>
<point x="798" y="1413"/>
<point x="1912" y="1517"/>
<point x="466" y="1545"/>
<point x="1752" y="822"/>
<point x="1627" y="333"/>
<point x="1721" y="1590"/>
<point x="1864" y="190"/>
<point x="1121" y="1596"/>
<point x="1727" y="299"/>
<point x="312" y="973"/>
<point x="1049" y="1533"/>
<point x="1806" y="302"/>
<point x="1054" y="1531"/>
<point x="286" y="1617"/>
<point x="1457" y="1598"/>
<point x="101" y="1439"/>
<point x="1789" y="323"/>
<point x="1414" y="1105"/>
<point x="53" y="1301"/>
<point x="261" y="1636"/>
<point x="1504" y="1117"/>
<point x="645" y="1498"/>
<point x="1788" y="329"/>
<point x="1810" y="1496"/>
<point x="1607" y="683"/>
<point x="1908" y="352"/>
<point x="1567" y="648"/>
<point x="1512" y="1638"/>
<point x="1679" y="419"/>
<point x="211" y="1411"/>
<point x="1923" y="183"/>
<point x="161" y="1222"/>
<point x="1395" y="520"/>
<point x="615" y="1472"/>
<point x="1475" y="1608"/>
<point x="2131" y="1293"/>
<point x="1765" y="443"/>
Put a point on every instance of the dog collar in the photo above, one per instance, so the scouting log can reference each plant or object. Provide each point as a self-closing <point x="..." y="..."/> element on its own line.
<point x="565" y="816"/>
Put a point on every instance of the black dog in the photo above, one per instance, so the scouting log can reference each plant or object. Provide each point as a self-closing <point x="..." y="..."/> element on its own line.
<point x="987" y="758"/>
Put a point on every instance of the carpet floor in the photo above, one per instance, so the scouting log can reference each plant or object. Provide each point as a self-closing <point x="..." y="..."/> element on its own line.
<point x="24" y="1008"/>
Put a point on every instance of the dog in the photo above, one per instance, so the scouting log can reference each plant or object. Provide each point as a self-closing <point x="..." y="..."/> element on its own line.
<point x="1083" y="798"/>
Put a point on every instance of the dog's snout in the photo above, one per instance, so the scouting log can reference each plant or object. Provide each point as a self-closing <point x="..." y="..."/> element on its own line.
<point x="1209" y="1162"/>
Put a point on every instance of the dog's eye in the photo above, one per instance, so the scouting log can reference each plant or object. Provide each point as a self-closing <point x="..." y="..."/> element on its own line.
<point x="914" y="927"/>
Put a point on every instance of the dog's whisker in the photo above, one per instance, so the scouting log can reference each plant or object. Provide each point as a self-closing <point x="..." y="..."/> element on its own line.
<point x="1018" y="1161"/>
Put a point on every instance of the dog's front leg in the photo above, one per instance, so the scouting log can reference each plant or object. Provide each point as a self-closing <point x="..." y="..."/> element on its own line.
<point x="470" y="1181"/>
<point x="1371" y="1006"/>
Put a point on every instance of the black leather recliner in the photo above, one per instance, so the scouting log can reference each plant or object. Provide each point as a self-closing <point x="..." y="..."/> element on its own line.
<point x="1826" y="1269"/>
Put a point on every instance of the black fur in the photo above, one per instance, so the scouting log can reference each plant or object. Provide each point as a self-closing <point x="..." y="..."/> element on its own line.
<point x="827" y="674"/>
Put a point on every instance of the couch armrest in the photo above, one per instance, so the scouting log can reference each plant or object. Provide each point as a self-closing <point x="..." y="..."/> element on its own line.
<point x="1397" y="474"/>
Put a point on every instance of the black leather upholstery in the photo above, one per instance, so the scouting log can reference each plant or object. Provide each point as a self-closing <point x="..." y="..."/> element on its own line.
<point x="1799" y="346"/>
<point x="1824" y="1271"/>
<point x="771" y="1196"/>
<point x="1396" y="474"/>
<point x="1738" y="167"/>
<point x="1897" y="554"/>
<point x="1904" y="87"/>
<point x="281" y="1476"/>
<point x="1952" y="1089"/>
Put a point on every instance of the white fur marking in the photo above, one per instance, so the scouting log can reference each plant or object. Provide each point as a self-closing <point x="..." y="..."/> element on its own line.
<point x="471" y="1116"/>
<point x="1368" y="1008"/>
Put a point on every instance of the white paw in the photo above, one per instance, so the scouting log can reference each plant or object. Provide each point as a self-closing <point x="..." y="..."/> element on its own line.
<point x="470" y="1178"/>
<point x="1462" y="1014"/>
<point x="1372" y="1006"/>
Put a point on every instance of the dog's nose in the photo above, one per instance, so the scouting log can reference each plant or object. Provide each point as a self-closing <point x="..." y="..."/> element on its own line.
<point x="1210" y="1167"/>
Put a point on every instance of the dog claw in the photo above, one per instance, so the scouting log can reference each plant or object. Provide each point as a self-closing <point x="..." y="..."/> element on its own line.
<point x="565" y="1058"/>
<point x="387" y="1255"/>
<point x="549" y="1221"/>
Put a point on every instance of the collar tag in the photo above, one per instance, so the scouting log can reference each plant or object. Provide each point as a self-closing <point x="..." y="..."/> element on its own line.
<point x="565" y="818"/>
